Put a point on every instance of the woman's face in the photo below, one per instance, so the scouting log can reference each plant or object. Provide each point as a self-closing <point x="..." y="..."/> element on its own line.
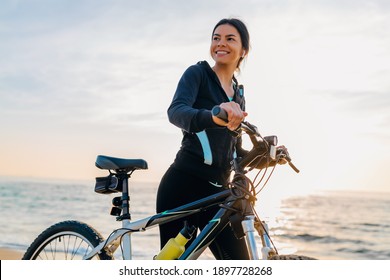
<point x="226" y="46"/>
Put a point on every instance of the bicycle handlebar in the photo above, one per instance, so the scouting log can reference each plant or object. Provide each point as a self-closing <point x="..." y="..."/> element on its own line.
<point x="219" y="113"/>
<point x="255" y="136"/>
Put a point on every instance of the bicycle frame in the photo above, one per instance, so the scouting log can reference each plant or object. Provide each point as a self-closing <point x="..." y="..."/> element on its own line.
<point x="227" y="202"/>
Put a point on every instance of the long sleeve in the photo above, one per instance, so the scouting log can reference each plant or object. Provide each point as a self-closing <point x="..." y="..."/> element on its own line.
<point x="183" y="111"/>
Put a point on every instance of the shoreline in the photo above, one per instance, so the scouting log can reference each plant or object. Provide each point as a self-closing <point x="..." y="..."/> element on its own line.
<point x="10" y="254"/>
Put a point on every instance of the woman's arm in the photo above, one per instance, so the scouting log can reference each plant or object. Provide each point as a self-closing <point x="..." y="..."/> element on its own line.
<point x="181" y="112"/>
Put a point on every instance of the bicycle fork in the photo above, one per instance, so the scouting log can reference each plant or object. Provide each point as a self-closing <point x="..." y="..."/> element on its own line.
<point x="249" y="228"/>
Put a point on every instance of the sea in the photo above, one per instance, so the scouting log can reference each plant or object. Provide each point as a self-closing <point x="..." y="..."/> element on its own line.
<point x="327" y="225"/>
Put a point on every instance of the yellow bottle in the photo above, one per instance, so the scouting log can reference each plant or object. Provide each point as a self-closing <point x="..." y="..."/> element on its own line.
<point x="175" y="247"/>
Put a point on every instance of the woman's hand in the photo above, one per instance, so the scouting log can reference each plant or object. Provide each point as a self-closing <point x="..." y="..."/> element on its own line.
<point x="235" y="115"/>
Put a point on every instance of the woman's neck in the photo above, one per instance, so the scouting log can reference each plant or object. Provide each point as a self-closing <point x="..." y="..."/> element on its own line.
<point x="225" y="74"/>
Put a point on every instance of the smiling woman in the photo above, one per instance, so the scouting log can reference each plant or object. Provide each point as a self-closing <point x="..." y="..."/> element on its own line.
<point x="203" y="161"/>
<point x="202" y="165"/>
<point x="230" y="37"/>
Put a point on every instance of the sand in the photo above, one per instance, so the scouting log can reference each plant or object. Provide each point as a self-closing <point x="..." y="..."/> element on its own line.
<point x="9" y="254"/>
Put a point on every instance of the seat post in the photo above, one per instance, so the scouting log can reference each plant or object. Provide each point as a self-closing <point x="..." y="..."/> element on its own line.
<point x="125" y="197"/>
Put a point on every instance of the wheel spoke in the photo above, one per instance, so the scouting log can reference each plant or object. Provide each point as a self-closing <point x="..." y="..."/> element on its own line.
<point x="68" y="240"/>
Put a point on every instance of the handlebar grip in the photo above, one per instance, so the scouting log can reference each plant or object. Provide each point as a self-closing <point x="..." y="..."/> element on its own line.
<point x="291" y="164"/>
<point x="219" y="113"/>
<point x="293" y="167"/>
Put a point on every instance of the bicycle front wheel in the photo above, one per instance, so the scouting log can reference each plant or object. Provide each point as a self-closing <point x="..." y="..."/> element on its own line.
<point x="68" y="240"/>
<point x="290" y="257"/>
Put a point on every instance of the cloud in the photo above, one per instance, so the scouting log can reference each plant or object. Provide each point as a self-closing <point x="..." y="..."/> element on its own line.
<point x="74" y="57"/>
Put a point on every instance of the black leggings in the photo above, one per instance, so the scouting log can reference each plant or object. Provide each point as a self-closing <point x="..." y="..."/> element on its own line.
<point x="178" y="188"/>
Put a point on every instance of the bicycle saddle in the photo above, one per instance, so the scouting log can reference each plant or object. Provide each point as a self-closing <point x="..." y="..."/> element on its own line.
<point x="112" y="163"/>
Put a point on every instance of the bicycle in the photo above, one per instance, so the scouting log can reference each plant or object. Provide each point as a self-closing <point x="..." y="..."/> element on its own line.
<point x="71" y="240"/>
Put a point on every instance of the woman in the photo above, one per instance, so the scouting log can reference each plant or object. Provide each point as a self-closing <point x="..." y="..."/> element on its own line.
<point x="202" y="164"/>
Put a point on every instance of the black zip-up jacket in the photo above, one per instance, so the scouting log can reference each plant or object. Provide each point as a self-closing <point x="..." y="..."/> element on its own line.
<point x="206" y="149"/>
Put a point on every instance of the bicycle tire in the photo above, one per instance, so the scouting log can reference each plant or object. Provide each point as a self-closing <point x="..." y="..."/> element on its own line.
<point x="290" y="257"/>
<point x="67" y="240"/>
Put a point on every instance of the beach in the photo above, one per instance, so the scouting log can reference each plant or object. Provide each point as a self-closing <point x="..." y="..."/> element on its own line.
<point x="10" y="254"/>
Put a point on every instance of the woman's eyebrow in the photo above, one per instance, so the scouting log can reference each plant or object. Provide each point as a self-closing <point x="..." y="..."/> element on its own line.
<point x="229" y="35"/>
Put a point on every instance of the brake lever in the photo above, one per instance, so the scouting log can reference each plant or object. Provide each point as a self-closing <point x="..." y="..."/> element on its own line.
<point x="250" y="128"/>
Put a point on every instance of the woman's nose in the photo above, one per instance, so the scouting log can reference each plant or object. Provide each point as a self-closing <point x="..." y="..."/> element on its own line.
<point x="221" y="43"/>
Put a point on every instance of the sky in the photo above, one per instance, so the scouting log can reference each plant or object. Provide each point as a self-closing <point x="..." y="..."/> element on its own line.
<point x="89" y="77"/>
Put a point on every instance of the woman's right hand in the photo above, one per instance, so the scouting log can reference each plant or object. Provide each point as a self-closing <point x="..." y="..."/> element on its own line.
<point x="235" y="115"/>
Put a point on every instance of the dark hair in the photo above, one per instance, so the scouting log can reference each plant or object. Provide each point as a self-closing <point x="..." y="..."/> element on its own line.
<point x="242" y="30"/>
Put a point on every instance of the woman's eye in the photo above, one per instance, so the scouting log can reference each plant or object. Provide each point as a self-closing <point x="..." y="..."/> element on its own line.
<point x="216" y="38"/>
